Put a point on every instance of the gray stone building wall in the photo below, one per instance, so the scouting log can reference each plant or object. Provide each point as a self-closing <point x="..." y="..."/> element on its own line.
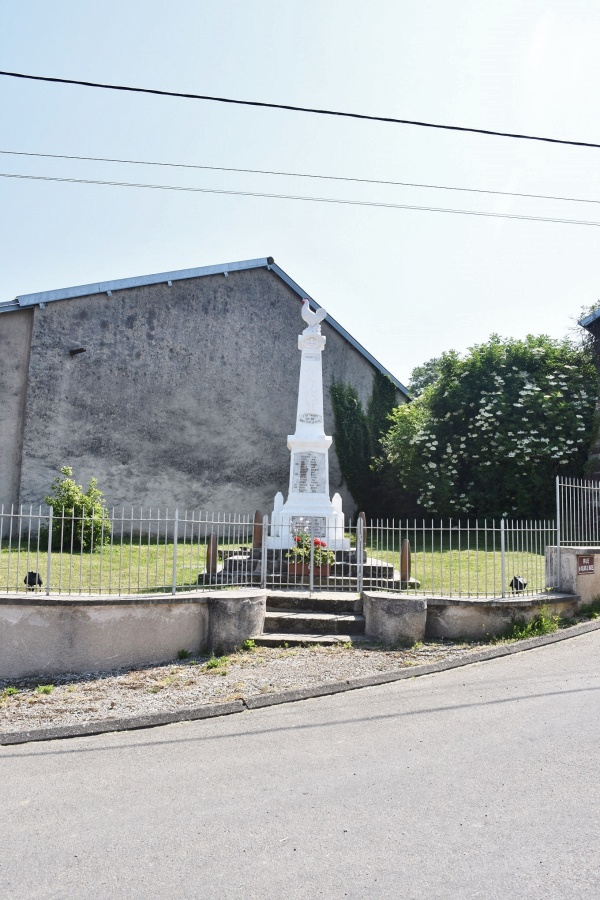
<point x="15" y="341"/>
<point x="184" y="396"/>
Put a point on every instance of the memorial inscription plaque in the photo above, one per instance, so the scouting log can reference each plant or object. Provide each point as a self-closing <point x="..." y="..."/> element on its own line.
<point x="316" y="526"/>
<point x="309" y="473"/>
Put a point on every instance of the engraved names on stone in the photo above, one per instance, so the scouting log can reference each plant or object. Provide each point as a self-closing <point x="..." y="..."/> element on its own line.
<point x="315" y="526"/>
<point x="309" y="473"/>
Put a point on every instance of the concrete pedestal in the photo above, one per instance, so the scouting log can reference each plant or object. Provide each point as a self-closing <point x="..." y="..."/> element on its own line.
<point x="232" y="620"/>
<point x="566" y="571"/>
<point x="393" y="619"/>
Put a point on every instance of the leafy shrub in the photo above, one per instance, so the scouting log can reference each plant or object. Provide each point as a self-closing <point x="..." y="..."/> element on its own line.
<point x="80" y="520"/>
<point x="490" y="432"/>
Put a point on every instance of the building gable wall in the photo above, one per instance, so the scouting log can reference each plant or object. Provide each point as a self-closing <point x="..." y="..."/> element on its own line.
<point x="15" y="341"/>
<point x="184" y="396"/>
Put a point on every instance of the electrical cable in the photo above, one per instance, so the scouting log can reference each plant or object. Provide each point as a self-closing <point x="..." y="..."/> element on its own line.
<point x="304" y="109"/>
<point x="169" y="187"/>
<point x="437" y="187"/>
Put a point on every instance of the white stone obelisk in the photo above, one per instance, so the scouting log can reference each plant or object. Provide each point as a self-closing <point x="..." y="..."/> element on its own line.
<point x="308" y="507"/>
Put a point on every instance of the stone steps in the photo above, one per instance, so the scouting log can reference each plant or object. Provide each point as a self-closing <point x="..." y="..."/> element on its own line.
<point x="294" y="618"/>
<point x="287" y="639"/>
<point x="312" y="622"/>
<point x="327" y="602"/>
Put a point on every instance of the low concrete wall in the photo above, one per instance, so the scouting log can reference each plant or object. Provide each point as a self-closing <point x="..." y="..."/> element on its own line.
<point x="394" y="618"/>
<point x="586" y="585"/>
<point x="64" y="634"/>
<point x="472" y="620"/>
<point x="399" y="618"/>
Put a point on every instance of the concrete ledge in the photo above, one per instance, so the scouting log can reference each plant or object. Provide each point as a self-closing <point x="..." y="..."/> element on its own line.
<point x="394" y="618"/>
<point x="457" y="618"/>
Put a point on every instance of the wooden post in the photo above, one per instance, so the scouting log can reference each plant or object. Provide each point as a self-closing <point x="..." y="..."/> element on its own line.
<point x="405" y="562"/>
<point x="257" y="531"/>
<point x="212" y="554"/>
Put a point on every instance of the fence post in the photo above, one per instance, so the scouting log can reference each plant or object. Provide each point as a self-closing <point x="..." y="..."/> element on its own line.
<point x="502" y="558"/>
<point x="311" y="531"/>
<point x="49" y="558"/>
<point x="557" y="578"/>
<point x="360" y="541"/>
<point x="175" y="534"/>
<point x="263" y="553"/>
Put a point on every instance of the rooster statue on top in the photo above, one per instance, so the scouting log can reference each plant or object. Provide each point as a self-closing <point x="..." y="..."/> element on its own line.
<point x="312" y="319"/>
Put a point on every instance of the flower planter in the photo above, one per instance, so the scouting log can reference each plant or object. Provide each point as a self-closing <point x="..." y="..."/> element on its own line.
<point x="301" y="569"/>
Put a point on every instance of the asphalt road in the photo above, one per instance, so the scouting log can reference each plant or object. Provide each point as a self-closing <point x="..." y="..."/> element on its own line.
<point x="477" y="782"/>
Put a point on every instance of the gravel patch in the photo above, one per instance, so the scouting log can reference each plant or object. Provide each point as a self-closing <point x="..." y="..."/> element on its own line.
<point x="81" y="699"/>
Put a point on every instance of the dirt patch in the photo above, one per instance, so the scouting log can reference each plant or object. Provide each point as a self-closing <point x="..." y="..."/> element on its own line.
<point x="81" y="699"/>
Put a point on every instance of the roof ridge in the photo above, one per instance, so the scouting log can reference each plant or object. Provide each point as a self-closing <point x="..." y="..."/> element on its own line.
<point x="23" y="301"/>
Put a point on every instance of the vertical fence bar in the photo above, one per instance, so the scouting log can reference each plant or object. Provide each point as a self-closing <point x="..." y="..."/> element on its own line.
<point x="49" y="555"/>
<point x="360" y="539"/>
<point x="263" y="553"/>
<point x="311" y="576"/>
<point x="502" y="559"/>
<point x="175" y="529"/>
<point x="558" y="535"/>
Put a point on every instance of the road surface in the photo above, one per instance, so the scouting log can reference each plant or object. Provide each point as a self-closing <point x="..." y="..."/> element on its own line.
<point x="479" y="782"/>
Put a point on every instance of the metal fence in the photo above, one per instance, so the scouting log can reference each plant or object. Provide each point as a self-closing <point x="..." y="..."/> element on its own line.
<point x="578" y="512"/>
<point x="151" y="551"/>
<point x="453" y="558"/>
<point x="120" y="552"/>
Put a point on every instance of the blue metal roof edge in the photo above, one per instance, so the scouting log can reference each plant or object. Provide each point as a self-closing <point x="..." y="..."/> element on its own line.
<point x="587" y="320"/>
<point x="102" y="287"/>
<point x="339" y="328"/>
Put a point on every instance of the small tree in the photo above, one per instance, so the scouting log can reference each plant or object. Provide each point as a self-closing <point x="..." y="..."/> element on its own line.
<point x="80" y="520"/>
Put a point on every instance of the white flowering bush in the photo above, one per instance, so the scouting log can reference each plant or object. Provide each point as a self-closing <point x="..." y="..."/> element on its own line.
<point x="488" y="436"/>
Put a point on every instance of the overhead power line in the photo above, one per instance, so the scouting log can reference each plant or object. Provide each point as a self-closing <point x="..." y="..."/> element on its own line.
<point x="305" y="109"/>
<point x="414" y="184"/>
<point x="199" y="190"/>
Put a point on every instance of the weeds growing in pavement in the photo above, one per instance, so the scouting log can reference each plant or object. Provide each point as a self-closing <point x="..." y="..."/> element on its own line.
<point x="10" y="691"/>
<point x="542" y="623"/>
<point x="216" y="662"/>
<point x="590" y="610"/>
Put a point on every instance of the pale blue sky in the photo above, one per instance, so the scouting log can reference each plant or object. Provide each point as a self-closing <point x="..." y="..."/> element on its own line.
<point x="407" y="284"/>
